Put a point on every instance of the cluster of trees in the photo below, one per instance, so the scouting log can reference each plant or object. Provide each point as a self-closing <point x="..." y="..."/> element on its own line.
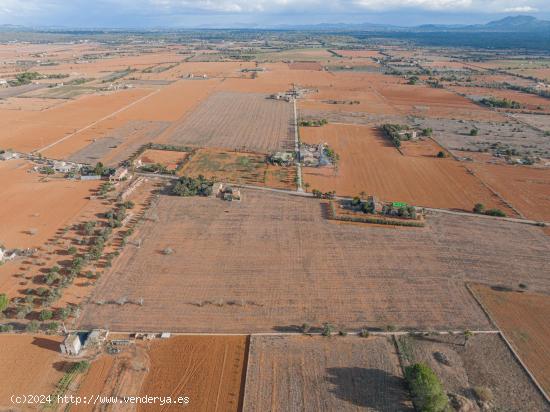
<point x="313" y="123"/>
<point x="500" y="103"/>
<point x="479" y="208"/>
<point x="332" y="155"/>
<point x="189" y="186"/>
<point x="24" y="78"/>
<point x="320" y="195"/>
<point x="392" y="132"/>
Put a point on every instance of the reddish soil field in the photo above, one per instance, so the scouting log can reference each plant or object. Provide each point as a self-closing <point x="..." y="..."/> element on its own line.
<point x="32" y="201"/>
<point x="164" y="157"/>
<point x="370" y="163"/>
<point x="207" y="369"/>
<point x="526" y="188"/>
<point x="523" y="318"/>
<point x="421" y="148"/>
<point x="35" y="366"/>
<point x="305" y="66"/>
<point x="484" y="361"/>
<point x="324" y="374"/>
<point x="29" y="131"/>
<point x="272" y="262"/>
<point x="529" y="101"/>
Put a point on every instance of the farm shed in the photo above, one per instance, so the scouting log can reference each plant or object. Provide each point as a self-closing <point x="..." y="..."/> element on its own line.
<point x="71" y="345"/>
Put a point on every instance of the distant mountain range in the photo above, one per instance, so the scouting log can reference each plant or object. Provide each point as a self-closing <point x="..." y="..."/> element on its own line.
<point x="507" y="24"/>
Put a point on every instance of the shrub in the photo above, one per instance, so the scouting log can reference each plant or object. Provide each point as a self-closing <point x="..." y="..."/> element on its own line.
<point x="474" y="132"/>
<point x="4" y="301"/>
<point x="72" y="250"/>
<point x="364" y="333"/>
<point x="305" y="328"/>
<point x="52" y="326"/>
<point x="441" y="154"/>
<point x="46" y="315"/>
<point x="6" y="328"/>
<point x="426" y="389"/>
<point x="483" y="393"/>
<point x="327" y="329"/>
<point x="479" y="208"/>
<point x="495" y="212"/>
<point x="32" y="326"/>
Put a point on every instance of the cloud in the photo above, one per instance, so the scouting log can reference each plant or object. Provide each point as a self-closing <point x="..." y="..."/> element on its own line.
<point x="521" y="9"/>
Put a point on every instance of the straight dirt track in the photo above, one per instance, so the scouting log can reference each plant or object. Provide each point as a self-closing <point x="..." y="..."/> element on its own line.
<point x="272" y="262"/>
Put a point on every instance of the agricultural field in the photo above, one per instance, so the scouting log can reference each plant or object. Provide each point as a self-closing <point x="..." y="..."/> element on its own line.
<point x="370" y="163"/>
<point x="523" y="318"/>
<point x="34" y="207"/>
<point x="526" y="188"/>
<point x="35" y="366"/>
<point x="218" y="277"/>
<point x="241" y="168"/>
<point x="207" y="369"/>
<point x="482" y="362"/>
<point x="324" y="374"/>
<point x="242" y="121"/>
<point x="492" y="137"/>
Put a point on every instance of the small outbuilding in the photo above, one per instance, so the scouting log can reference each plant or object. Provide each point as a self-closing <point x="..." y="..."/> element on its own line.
<point x="71" y="345"/>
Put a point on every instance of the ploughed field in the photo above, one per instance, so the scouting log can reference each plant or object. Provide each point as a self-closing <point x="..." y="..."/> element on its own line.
<point x="246" y="121"/>
<point x="370" y="163"/>
<point x="324" y="374"/>
<point x="272" y="262"/>
<point x="523" y="318"/>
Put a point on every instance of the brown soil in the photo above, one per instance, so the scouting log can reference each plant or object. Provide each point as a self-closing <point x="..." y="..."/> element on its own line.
<point x="324" y="374"/>
<point x="523" y="318"/>
<point x="164" y="157"/>
<point x="370" y="163"/>
<point x="35" y="366"/>
<point x="272" y="261"/>
<point x="484" y="361"/>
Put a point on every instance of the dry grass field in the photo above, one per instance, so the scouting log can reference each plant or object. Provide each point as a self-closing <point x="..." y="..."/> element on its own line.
<point x="370" y="163"/>
<point x="238" y="121"/>
<point x="324" y="374"/>
<point x="272" y="262"/>
<point x="35" y="366"/>
<point x="483" y="361"/>
<point x="523" y="318"/>
<point x="241" y="168"/>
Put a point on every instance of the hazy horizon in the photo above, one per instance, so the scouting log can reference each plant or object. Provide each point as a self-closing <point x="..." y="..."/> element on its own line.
<point x="259" y="13"/>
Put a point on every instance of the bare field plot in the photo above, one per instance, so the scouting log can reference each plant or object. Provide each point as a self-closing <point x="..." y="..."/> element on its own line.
<point x="35" y="366"/>
<point x="493" y="135"/>
<point x="33" y="207"/>
<point x="302" y="373"/>
<point x="526" y="188"/>
<point x="523" y="318"/>
<point x="207" y="369"/>
<point x="120" y="143"/>
<point x="483" y="361"/>
<point x="370" y="163"/>
<point x="237" y="120"/>
<point x="241" y="168"/>
<point x="272" y="262"/>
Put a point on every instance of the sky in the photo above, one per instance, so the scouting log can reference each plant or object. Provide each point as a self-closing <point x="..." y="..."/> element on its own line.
<point x="259" y="13"/>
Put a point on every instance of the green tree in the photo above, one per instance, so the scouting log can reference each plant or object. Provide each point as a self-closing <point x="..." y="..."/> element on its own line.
<point x="479" y="208"/>
<point x="4" y="301"/>
<point x="426" y="389"/>
<point x="46" y="315"/>
<point x="474" y="132"/>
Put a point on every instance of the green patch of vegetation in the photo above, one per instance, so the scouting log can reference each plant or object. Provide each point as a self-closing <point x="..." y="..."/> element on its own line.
<point x="188" y="186"/>
<point x="313" y="123"/>
<point x="500" y="103"/>
<point x="24" y="78"/>
<point x="426" y="388"/>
